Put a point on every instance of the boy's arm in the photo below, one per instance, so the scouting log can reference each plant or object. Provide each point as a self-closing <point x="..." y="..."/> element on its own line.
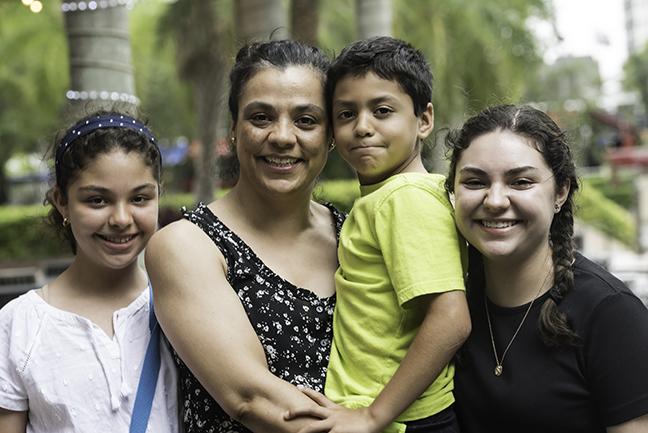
<point x="444" y="329"/>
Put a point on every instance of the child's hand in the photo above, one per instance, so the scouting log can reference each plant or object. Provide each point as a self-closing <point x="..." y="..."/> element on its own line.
<point x="333" y="418"/>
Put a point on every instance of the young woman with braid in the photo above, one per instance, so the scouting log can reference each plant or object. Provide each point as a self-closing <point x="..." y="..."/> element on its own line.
<point x="558" y="343"/>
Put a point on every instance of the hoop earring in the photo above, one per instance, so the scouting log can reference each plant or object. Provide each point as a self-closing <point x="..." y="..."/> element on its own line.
<point x="65" y="222"/>
<point x="332" y="145"/>
<point x="233" y="140"/>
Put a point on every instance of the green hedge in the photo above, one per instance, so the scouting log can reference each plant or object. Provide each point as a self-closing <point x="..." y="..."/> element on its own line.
<point x="622" y="192"/>
<point x="340" y="193"/>
<point x="22" y="235"/>
<point x="606" y="215"/>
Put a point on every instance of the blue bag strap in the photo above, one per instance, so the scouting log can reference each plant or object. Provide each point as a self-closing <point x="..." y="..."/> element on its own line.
<point x="148" y="378"/>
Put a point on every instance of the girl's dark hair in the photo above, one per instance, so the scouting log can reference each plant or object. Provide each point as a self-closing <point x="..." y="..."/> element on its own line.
<point x="85" y="149"/>
<point x="256" y="56"/>
<point x="550" y="141"/>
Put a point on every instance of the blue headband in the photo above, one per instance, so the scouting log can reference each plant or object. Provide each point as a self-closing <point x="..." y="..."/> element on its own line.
<point x="99" y="122"/>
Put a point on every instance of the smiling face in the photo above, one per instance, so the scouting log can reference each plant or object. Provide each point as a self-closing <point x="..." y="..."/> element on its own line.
<point x="282" y="135"/>
<point x="375" y="127"/>
<point x="112" y="208"/>
<point x="505" y="197"/>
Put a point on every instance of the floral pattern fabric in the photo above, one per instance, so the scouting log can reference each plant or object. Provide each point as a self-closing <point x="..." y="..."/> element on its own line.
<point x="293" y="324"/>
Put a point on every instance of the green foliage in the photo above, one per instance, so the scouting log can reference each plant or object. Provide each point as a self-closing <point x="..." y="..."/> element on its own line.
<point x="340" y="193"/>
<point x="605" y="215"/>
<point x="23" y="236"/>
<point x="621" y="191"/>
<point x="164" y="98"/>
<point x="33" y="77"/>
<point x="337" y="25"/>
<point x="482" y="53"/>
<point x="636" y="75"/>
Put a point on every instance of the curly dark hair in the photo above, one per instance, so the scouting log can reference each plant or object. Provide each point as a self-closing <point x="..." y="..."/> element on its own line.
<point x="85" y="149"/>
<point x="551" y="142"/>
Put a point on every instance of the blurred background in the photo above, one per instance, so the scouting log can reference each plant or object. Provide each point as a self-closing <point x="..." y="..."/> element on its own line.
<point x="585" y="62"/>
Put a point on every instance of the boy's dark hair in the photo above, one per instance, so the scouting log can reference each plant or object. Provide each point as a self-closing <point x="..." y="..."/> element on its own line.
<point x="389" y="58"/>
<point x="550" y="141"/>
<point x="83" y="151"/>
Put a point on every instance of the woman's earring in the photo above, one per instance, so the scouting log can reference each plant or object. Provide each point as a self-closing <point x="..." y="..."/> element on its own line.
<point x="332" y="145"/>
<point x="233" y="140"/>
<point x="556" y="208"/>
<point x="65" y="222"/>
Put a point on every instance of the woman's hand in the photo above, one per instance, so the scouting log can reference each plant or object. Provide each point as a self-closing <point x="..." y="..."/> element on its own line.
<point x="333" y="417"/>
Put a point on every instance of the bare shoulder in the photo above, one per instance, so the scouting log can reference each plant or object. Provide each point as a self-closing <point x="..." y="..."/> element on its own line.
<point x="174" y="239"/>
<point x="178" y="249"/>
<point x="323" y="215"/>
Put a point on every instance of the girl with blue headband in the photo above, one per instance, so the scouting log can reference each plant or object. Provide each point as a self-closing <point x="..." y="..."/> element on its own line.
<point x="71" y="353"/>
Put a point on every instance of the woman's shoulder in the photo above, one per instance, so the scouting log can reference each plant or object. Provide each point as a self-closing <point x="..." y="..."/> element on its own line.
<point x="177" y="241"/>
<point x="598" y="281"/>
<point x="328" y="212"/>
<point x="598" y="293"/>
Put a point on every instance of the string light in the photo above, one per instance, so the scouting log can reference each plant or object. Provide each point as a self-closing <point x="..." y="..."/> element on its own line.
<point x="104" y="95"/>
<point x="94" y="5"/>
<point x="34" y="5"/>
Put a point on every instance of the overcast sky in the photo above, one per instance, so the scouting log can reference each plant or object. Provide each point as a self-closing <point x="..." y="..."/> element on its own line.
<point x="591" y="28"/>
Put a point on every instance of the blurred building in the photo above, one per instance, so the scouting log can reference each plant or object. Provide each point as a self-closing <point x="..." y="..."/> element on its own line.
<point x="636" y="12"/>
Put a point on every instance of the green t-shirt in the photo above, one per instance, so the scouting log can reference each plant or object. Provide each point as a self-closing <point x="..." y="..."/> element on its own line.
<point x="398" y="243"/>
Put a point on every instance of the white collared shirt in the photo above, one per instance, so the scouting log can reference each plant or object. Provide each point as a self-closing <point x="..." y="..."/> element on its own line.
<point x="71" y="376"/>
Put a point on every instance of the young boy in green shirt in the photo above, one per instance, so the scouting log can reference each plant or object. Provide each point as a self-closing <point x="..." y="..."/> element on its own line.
<point x="401" y="311"/>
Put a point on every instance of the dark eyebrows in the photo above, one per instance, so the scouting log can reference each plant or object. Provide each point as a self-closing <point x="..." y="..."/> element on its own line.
<point x="473" y="170"/>
<point x="303" y="108"/>
<point x="102" y="190"/>
<point x="374" y="101"/>
<point x="522" y="169"/>
<point x="258" y="105"/>
<point x="511" y="172"/>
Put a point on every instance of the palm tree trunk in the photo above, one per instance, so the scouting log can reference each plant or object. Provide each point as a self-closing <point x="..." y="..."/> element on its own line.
<point x="100" y="56"/>
<point x="258" y="20"/>
<point x="304" y="20"/>
<point x="373" y="18"/>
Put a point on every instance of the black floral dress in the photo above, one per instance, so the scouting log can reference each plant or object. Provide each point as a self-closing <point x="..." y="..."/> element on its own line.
<point x="293" y="324"/>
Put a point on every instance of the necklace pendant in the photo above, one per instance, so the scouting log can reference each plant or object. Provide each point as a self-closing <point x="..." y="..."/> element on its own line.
<point x="498" y="370"/>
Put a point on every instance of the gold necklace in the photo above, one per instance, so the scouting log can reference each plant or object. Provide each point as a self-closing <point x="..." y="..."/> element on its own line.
<point x="499" y="368"/>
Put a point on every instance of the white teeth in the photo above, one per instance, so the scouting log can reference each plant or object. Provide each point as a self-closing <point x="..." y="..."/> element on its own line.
<point x="118" y="240"/>
<point x="498" y="224"/>
<point x="281" y="162"/>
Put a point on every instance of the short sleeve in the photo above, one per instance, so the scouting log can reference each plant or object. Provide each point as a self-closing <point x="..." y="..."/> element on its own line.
<point x="616" y="353"/>
<point x="13" y="395"/>
<point x="418" y="238"/>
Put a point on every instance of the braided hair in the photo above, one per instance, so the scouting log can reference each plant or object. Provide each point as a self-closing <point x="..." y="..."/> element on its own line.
<point x="550" y="141"/>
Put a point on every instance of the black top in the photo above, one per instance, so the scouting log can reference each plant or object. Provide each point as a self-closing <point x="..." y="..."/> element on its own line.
<point x="293" y="324"/>
<point x="602" y="382"/>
